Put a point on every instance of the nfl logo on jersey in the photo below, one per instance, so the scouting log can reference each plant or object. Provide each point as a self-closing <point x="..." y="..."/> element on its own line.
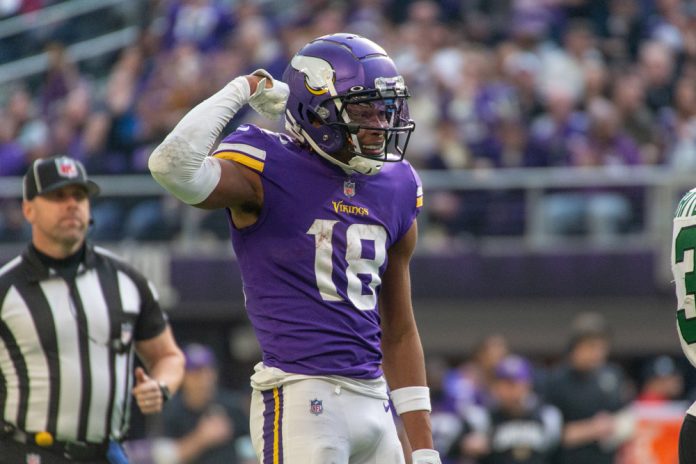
<point x="33" y="458"/>
<point x="349" y="188"/>
<point x="315" y="407"/>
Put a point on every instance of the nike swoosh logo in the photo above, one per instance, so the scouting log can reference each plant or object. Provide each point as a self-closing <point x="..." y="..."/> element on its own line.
<point x="243" y="128"/>
<point x="386" y="407"/>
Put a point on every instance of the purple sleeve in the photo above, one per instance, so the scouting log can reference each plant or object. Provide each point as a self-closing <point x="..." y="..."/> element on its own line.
<point x="415" y="196"/>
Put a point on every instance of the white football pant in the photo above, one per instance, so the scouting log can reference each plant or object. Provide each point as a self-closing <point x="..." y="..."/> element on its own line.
<point x="315" y="421"/>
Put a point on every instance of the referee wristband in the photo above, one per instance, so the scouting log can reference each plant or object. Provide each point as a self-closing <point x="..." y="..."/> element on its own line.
<point x="164" y="390"/>
<point x="408" y="399"/>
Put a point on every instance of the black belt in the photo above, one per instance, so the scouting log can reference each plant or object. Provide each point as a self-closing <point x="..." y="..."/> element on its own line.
<point x="74" y="450"/>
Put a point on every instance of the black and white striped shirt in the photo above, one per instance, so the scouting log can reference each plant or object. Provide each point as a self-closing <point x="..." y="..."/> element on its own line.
<point x="66" y="357"/>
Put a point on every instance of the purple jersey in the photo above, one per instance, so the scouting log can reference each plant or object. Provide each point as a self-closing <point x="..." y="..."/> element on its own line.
<point x="312" y="263"/>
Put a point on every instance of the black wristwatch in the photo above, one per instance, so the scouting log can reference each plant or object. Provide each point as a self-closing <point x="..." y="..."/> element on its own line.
<point x="164" y="389"/>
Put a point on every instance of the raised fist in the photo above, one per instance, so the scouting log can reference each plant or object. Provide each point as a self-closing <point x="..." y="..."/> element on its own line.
<point x="269" y="101"/>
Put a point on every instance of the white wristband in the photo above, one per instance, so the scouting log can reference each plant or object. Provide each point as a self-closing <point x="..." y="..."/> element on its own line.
<point x="426" y="456"/>
<point x="411" y="399"/>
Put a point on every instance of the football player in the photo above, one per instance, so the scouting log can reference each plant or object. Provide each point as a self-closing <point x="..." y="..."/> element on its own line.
<point x="683" y="266"/>
<point x="323" y="223"/>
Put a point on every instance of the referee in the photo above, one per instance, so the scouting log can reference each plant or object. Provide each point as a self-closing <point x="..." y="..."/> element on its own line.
<point x="72" y="315"/>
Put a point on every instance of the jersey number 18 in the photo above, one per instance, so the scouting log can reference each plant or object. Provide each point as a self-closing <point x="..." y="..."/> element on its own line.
<point x="356" y="236"/>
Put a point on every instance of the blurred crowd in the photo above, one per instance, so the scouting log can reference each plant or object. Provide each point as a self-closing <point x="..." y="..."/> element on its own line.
<point x="491" y="406"/>
<point x="509" y="83"/>
<point x="498" y="407"/>
<point x="494" y="84"/>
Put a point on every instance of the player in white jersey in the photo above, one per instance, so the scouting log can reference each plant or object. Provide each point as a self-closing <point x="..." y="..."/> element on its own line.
<point x="683" y="266"/>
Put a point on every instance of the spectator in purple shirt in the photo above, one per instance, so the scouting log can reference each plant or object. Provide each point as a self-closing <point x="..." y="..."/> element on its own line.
<point x="553" y="133"/>
<point x="200" y="23"/>
<point x="607" y="144"/>
<point x="61" y="77"/>
<point x="601" y="213"/>
<point x="628" y="94"/>
<point x="12" y="155"/>
<point x="679" y="126"/>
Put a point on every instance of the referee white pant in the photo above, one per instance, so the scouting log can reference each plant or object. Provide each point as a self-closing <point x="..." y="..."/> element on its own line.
<point x="316" y="421"/>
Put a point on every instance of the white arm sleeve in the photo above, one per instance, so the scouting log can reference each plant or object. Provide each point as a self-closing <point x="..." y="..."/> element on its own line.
<point x="181" y="163"/>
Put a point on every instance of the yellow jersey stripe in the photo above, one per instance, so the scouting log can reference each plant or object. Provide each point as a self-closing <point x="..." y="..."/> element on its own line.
<point x="276" y="425"/>
<point x="241" y="158"/>
<point x="419" y="202"/>
<point x="243" y="148"/>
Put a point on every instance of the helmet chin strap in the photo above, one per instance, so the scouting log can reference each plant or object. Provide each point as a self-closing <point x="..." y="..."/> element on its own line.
<point x="357" y="163"/>
<point x="365" y="165"/>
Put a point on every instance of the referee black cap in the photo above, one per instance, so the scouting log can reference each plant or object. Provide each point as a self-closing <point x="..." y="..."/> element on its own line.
<point x="49" y="174"/>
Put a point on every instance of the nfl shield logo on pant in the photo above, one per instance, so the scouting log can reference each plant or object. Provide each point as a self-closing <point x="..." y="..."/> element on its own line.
<point x="315" y="407"/>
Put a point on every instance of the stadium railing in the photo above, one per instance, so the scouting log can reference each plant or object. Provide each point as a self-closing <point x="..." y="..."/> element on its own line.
<point x="91" y="47"/>
<point x="661" y="187"/>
